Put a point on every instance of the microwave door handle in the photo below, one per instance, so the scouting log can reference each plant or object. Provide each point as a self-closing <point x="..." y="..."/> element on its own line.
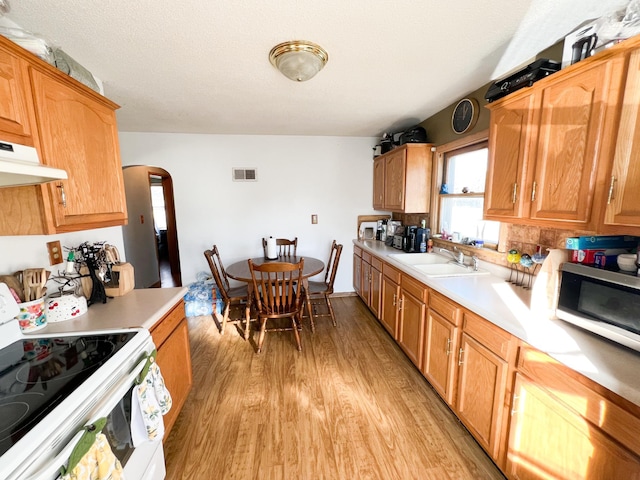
<point x="52" y="468"/>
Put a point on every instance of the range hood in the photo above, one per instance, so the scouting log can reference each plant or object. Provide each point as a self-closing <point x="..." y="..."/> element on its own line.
<point x="19" y="165"/>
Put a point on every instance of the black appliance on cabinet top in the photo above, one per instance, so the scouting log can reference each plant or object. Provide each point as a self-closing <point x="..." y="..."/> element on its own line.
<point x="523" y="78"/>
<point x="409" y="240"/>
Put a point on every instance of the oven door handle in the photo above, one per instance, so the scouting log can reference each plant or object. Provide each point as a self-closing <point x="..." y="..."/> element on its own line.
<point x="52" y="468"/>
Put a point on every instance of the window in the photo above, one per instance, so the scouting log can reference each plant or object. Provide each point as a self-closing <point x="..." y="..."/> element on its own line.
<point x="157" y="202"/>
<point x="461" y="207"/>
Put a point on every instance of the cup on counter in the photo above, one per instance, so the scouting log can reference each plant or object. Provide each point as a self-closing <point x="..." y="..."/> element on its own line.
<point x="32" y="315"/>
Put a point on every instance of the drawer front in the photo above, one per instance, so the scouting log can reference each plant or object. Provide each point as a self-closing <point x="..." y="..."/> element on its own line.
<point x="622" y="424"/>
<point x="485" y="332"/>
<point x="414" y="287"/>
<point x="390" y="272"/>
<point x="366" y="256"/>
<point x="445" y="307"/>
<point x="357" y="251"/>
<point x="376" y="263"/>
<point x="164" y="327"/>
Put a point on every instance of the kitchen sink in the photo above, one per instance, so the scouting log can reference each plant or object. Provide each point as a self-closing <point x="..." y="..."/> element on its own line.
<point x="447" y="270"/>
<point x="420" y="258"/>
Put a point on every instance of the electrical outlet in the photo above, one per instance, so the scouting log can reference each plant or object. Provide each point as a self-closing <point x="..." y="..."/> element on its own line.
<point x="55" y="252"/>
<point x="314" y="218"/>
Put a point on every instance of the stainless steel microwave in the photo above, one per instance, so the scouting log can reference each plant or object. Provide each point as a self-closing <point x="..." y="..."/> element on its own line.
<point x="604" y="302"/>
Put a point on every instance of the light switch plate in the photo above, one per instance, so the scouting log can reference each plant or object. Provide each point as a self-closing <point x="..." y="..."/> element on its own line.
<point x="55" y="253"/>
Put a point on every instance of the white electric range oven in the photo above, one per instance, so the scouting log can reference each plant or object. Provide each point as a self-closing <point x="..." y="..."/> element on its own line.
<point x="51" y="386"/>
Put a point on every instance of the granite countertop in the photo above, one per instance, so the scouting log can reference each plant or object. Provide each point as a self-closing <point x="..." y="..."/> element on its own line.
<point x="612" y="366"/>
<point x="138" y="308"/>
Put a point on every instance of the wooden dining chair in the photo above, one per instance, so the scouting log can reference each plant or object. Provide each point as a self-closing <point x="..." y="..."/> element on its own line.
<point x="318" y="292"/>
<point x="231" y="296"/>
<point x="277" y="294"/>
<point x="285" y="246"/>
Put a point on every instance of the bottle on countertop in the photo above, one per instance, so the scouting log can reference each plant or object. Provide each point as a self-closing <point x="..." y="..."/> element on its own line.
<point x="383" y="234"/>
<point x="70" y="268"/>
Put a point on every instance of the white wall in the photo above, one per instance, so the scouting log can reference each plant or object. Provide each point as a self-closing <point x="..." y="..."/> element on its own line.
<point x="297" y="177"/>
<point x="30" y="251"/>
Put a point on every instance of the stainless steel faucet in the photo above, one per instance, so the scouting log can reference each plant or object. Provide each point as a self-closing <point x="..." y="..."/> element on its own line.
<point x="457" y="255"/>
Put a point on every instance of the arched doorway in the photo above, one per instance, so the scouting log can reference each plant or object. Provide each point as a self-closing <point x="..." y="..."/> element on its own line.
<point x="151" y="236"/>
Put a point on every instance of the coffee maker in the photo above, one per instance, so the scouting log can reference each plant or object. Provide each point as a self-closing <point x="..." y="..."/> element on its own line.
<point x="409" y="240"/>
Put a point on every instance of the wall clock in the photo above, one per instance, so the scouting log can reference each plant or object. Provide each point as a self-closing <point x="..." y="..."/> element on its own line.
<point x="465" y="115"/>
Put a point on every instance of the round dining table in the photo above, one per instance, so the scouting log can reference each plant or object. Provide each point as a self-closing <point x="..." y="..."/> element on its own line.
<point x="312" y="266"/>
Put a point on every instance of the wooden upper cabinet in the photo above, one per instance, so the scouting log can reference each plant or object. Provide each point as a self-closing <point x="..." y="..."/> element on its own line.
<point x="395" y="174"/>
<point x="572" y="139"/>
<point x="622" y="209"/>
<point x="73" y="128"/>
<point x="402" y="179"/>
<point x="550" y="145"/>
<point x="512" y="132"/>
<point x="378" y="183"/>
<point x="16" y="109"/>
<point x="80" y="135"/>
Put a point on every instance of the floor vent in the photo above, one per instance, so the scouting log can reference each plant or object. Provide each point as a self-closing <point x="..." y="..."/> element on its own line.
<point x="245" y="175"/>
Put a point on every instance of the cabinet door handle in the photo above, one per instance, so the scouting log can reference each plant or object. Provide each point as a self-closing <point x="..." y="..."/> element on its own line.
<point x="515" y="192"/>
<point x="610" y="197"/>
<point x="460" y="352"/>
<point x="400" y="304"/>
<point x="448" y="347"/>
<point x="514" y="410"/>
<point x="394" y="299"/>
<point x="63" y="196"/>
<point x="533" y="191"/>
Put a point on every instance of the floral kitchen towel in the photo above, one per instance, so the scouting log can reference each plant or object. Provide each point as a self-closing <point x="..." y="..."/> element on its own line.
<point x="99" y="463"/>
<point x="151" y="400"/>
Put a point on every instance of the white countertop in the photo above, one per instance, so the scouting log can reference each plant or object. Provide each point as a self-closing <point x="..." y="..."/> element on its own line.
<point x="612" y="366"/>
<point x="138" y="308"/>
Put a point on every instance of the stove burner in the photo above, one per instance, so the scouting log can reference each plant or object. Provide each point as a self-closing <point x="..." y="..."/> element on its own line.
<point x="11" y="414"/>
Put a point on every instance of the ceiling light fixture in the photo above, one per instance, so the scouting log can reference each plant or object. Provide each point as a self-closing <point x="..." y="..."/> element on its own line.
<point x="298" y="60"/>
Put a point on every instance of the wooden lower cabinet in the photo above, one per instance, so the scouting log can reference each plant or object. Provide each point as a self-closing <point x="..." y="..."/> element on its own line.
<point x="411" y="321"/>
<point x="441" y="340"/>
<point x="535" y="418"/>
<point x="548" y="440"/>
<point x="375" y="295"/>
<point x="357" y="270"/>
<point x="482" y="380"/>
<point x="389" y="311"/>
<point x="171" y="337"/>
<point x="440" y="359"/>
<point x="370" y="281"/>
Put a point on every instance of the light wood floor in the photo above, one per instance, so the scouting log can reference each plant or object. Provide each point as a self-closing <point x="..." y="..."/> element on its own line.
<point x="349" y="406"/>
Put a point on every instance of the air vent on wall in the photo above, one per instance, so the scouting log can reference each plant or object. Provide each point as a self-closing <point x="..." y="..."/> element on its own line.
<point x="245" y="175"/>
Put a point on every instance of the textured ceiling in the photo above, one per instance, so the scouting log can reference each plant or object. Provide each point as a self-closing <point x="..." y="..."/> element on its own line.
<point x="200" y="66"/>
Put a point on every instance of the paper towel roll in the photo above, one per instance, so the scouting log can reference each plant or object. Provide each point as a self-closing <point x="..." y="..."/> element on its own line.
<point x="272" y="249"/>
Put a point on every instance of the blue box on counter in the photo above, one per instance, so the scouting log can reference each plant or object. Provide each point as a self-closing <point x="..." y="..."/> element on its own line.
<point x="201" y="299"/>
<point x="600" y="242"/>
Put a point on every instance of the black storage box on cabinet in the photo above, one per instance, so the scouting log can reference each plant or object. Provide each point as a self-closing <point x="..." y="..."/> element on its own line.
<point x="415" y="134"/>
<point x="523" y="78"/>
